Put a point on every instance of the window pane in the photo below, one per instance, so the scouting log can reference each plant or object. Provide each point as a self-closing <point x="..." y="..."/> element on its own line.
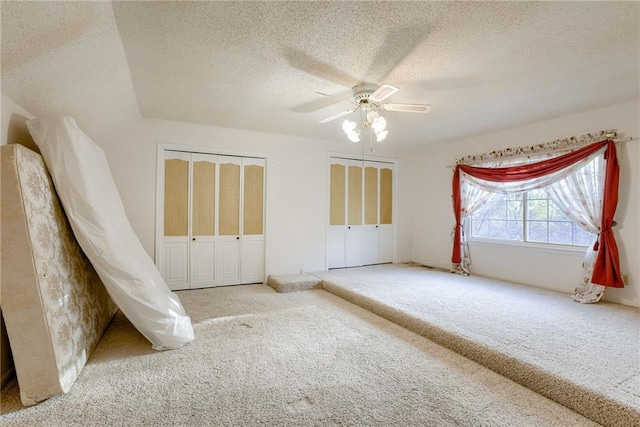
<point x="503" y="218"/>
<point x="514" y="230"/>
<point x="560" y="232"/>
<point x="479" y="227"/>
<point x="514" y="210"/>
<point x="581" y="237"/>
<point x="514" y="197"/>
<point x="537" y="194"/>
<point x="498" y="229"/>
<point x="555" y="214"/>
<point x="496" y="209"/>
<point x="537" y="210"/>
<point x="537" y="231"/>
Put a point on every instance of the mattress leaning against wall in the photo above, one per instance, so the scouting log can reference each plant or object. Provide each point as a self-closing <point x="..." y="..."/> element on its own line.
<point x="54" y="304"/>
<point x="81" y="175"/>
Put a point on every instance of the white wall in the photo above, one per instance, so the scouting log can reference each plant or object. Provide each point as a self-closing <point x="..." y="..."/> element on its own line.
<point x="296" y="185"/>
<point x="14" y="129"/>
<point x="433" y="221"/>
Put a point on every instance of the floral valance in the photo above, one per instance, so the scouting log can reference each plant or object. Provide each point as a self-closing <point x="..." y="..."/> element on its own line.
<point x="564" y="144"/>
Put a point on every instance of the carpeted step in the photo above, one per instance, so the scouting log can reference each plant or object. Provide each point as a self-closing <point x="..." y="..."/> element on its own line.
<point x="578" y="396"/>
<point x="294" y="282"/>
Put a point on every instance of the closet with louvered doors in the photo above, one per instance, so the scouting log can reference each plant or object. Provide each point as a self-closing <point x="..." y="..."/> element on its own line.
<point x="377" y="229"/>
<point x="360" y="230"/>
<point x="212" y="220"/>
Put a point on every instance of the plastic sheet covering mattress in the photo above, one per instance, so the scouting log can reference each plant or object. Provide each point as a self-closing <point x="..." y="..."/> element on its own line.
<point x="54" y="304"/>
<point x="92" y="203"/>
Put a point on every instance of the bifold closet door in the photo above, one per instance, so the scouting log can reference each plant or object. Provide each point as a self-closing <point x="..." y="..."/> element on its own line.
<point x="370" y="227"/>
<point x="228" y="257"/>
<point x="377" y="232"/>
<point x="203" y="221"/>
<point x="212" y="220"/>
<point x="252" y="241"/>
<point x="354" y="213"/>
<point x="360" y="228"/>
<point x="344" y="234"/>
<point x="385" y="216"/>
<point x="175" y="242"/>
<point x="337" y="230"/>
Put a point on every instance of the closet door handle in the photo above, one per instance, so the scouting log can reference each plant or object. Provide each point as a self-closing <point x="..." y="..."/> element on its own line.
<point x="194" y="239"/>
<point x="238" y="238"/>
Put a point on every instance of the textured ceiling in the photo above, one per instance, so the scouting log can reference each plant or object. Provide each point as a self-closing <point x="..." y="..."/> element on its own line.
<point x="67" y="58"/>
<point x="483" y="66"/>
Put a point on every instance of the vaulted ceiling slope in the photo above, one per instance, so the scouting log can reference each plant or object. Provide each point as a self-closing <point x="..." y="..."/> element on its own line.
<point x="67" y="58"/>
<point x="483" y="66"/>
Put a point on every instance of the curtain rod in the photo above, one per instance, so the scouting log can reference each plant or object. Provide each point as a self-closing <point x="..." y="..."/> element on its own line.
<point x="616" y="140"/>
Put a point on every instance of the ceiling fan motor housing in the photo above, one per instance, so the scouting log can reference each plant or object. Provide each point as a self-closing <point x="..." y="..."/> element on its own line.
<point x="362" y="92"/>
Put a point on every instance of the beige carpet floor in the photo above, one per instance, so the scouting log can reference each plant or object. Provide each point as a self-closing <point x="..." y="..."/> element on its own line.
<point x="297" y="359"/>
<point x="586" y="357"/>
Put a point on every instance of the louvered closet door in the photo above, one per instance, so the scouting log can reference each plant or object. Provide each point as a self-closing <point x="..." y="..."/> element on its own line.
<point x="371" y="221"/>
<point x="360" y="230"/>
<point x="346" y="213"/>
<point x="252" y="240"/>
<point x="354" y="213"/>
<point x="212" y="220"/>
<point x="229" y="194"/>
<point x="337" y="230"/>
<point x="175" y="225"/>
<point x="385" y="215"/>
<point x="203" y="215"/>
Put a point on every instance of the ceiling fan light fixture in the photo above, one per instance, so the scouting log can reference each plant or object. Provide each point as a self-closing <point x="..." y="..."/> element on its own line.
<point x="354" y="136"/>
<point x="352" y="131"/>
<point x="367" y="99"/>
<point x="379" y="124"/>
<point x="349" y="126"/>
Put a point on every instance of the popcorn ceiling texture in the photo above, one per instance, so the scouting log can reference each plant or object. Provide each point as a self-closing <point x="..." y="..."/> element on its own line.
<point x="484" y="66"/>
<point x="67" y="58"/>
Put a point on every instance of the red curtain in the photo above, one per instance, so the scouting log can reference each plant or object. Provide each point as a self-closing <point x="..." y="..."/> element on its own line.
<point x="606" y="270"/>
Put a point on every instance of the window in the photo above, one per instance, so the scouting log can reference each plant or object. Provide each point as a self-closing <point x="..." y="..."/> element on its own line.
<point x="529" y="217"/>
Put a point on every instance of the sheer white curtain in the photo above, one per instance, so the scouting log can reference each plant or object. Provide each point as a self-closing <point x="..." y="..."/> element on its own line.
<point x="579" y="196"/>
<point x="473" y="198"/>
<point x="577" y="190"/>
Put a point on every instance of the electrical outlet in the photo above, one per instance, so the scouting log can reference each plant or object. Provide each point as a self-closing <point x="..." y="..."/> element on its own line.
<point x="625" y="279"/>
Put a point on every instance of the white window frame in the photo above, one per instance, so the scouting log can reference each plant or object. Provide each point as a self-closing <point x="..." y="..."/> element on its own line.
<point x="524" y="243"/>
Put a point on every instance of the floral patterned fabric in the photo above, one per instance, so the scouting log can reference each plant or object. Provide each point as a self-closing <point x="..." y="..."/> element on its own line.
<point x="529" y="152"/>
<point x="55" y="306"/>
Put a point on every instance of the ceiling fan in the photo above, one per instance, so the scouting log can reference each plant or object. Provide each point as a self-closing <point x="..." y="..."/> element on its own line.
<point x="369" y="97"/>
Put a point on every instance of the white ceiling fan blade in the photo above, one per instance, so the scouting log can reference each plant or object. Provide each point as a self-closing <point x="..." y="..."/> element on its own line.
<point x="332" y="96"/>
<point x="337" y="116"/>
<point x="407" y="108"/>
<point x="382" y="93"/>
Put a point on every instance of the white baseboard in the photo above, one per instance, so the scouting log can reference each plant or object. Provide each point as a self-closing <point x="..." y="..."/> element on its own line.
<point x="432" y="264"/>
